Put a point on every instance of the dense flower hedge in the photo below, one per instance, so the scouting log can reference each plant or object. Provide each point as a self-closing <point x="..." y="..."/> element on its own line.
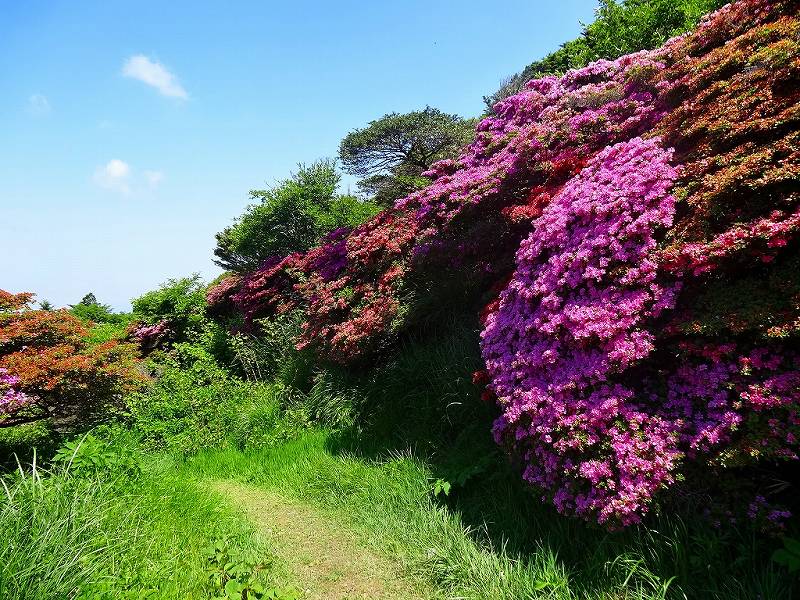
<point x="48" y="369"/>
<point x="641" y="218"/>
<point x="575" y="314"/>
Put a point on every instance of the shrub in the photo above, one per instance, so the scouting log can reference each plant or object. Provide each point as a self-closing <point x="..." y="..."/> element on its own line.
<point x="89" y="456"/>
<point x="574" y="314"/>
<point x="189" y="409"/>
<point x="49" y="370"/>
<point x="358" y="289"/>
<point x="175" y="312"/>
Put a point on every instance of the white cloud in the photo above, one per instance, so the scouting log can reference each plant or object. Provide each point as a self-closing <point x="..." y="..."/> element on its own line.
<point x="119" y="176"/>
<point x="153" y="74"/>
<point x="153" y="177"/>
<point x="114" y="176"/>
<point x="38" y="105"/>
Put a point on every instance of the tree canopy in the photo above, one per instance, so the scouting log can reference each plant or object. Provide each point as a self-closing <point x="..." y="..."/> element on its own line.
<point x="289" y="217"/>
<point x="391" y="153"/>
<point x="49" y="368"/>
<point x="89" y="309"/>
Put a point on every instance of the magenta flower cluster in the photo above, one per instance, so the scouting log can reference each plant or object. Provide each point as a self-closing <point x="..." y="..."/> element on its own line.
<point x="601" y="428"/>
<point x="11" y="399"/>
<point x="541" y="137"/>
<point x="150" y="337"/>
<point x="730" y="405"/>
<point x="575" y="313"/>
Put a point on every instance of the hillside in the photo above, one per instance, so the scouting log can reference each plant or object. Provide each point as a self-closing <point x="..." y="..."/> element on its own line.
<point x="633" y="226"/>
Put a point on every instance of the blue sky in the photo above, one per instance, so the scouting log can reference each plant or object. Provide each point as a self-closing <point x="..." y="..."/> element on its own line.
<point x="132" y="132"/>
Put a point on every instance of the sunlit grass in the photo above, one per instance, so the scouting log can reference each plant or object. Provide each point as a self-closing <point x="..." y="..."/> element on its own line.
<point x="95" y="537"/>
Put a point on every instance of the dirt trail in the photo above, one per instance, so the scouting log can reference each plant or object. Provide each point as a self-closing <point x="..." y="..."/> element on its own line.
<point x="324" y="559"/>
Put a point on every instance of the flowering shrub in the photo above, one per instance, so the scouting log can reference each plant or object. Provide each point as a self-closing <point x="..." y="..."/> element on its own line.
<point x="601" y="424"/>
<point x="355" y="286"/>
<point x="636" y="222"/>
<point x="574" y="315"/>
<point x="47" y="368"/>
<point x="11" y="399"/>
<point x="150" y="337"/>
<point x="173" y="313"/>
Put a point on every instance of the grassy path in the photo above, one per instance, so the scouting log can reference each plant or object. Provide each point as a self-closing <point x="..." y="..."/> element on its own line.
<point x="324" y="559"/>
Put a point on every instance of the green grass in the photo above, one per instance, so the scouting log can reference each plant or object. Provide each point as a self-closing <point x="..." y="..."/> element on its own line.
<point x="100" y="333"/>
<point x="127" y="537"/>
<point x="493" y="540"/>
<point x="490" y="539"/>
<point x="19" y="442"/>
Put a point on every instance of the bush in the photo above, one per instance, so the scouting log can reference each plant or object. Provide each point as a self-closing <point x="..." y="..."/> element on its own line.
<point x="189" y="409"/>
<point x="50" y="370"/>
<point x="17" y="444"/>
<point x="175" y="312"/>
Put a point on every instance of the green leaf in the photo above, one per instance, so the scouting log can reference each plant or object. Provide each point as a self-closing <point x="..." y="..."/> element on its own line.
<point x="792" y="545"/>
<point x="234" y="589"/>
<point x="787" y="559"/>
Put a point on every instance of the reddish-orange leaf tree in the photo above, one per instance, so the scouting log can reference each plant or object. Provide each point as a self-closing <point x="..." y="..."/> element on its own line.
<point x="51" y="371"/>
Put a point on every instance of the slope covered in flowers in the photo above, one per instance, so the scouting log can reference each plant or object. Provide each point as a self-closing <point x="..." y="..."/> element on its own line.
<point x="641" y="217"/>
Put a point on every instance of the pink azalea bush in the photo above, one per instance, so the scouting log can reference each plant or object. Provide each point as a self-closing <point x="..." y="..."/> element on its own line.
<point x="12" y="400"/>
<point x="150" y="337"/>
<point x="354" y="288"/>
<point x="576" y="313"/>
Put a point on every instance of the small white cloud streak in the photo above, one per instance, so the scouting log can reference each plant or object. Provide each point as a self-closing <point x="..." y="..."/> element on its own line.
<point x="114" y="176"/>
<point x="154" y="74"/>
<point x="38" y="105"/>
<point x="118" y="176"/>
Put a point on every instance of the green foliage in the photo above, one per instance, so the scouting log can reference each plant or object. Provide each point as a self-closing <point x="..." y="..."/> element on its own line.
<point x="180" y="302"/>
<point x="391" y="153"/>
<point x="188" y="409"/>
<point x="100" y="333"/>
<point x="233" y="574"/>
<point x="17" y="443"/>
<point x="91" y="311"/>
<point x="272" y="354"/>
<point x="89" y="300"/>
<point x="789" y="555"/>
<point x="619" y="28"/>
<point x="90" y="456"/>
<point x="441" y="487"/>
<point x="343" y="211"/>
<point x="289" y="217"/>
